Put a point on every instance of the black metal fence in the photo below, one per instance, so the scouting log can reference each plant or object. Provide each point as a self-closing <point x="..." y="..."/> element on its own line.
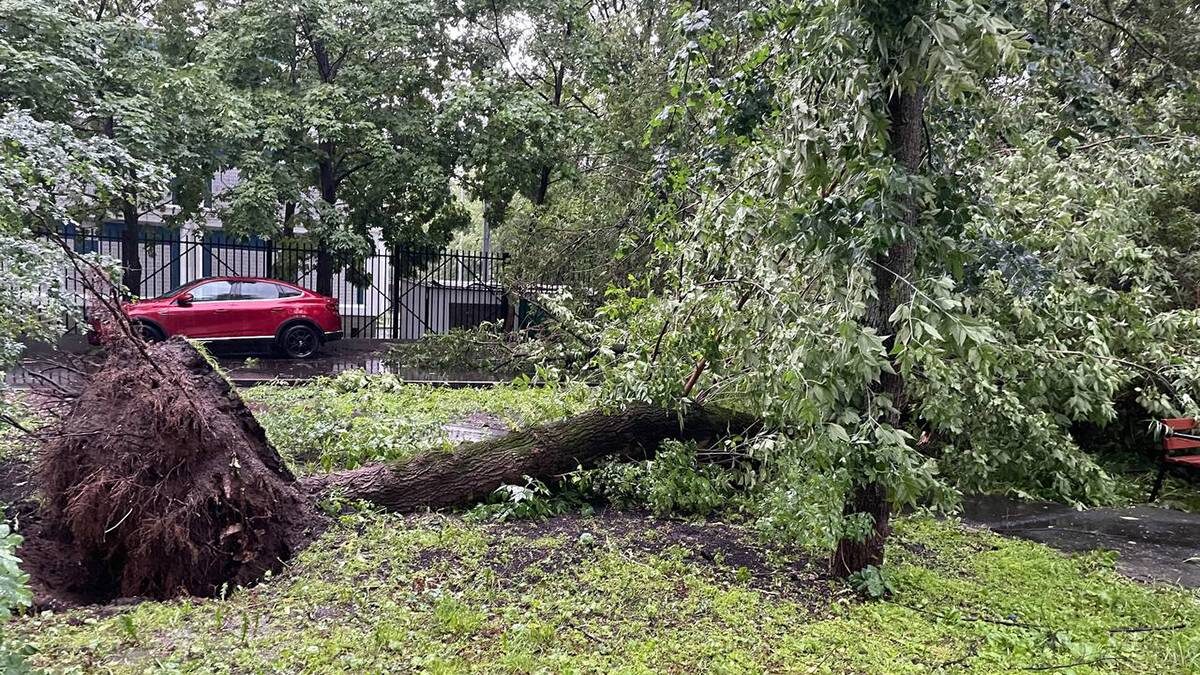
<point x="401" y="293"/>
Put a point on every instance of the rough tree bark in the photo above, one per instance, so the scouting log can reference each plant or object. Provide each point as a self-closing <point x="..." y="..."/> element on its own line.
<point x="328" y="185"/>
<point x="473" y="471"/>
<point x="892" y="271"/>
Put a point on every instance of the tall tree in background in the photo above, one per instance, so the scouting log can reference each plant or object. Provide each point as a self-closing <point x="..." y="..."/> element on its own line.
<point x="552" y="119"/>
<point x="336" y="126"/>
<point x="115" y="81"/>
<point x="56" y="168"/>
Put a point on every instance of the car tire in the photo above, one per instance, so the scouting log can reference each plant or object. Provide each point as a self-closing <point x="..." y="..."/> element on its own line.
<point x="149" y="332"/>
<point x="300" y="342"/>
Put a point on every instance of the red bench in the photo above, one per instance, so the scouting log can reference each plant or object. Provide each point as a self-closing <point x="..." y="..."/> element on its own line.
<point x="1181" y="447"/>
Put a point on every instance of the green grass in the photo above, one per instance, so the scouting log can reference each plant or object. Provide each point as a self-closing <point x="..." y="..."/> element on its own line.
<point x="439" y="594"/>
<point x="343" y="422"/>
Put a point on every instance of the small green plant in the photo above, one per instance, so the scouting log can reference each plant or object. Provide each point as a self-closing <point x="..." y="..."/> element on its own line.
<point x="872" y="582"/>
<point x="127" y="625"/>
<point x="14" y="594"/>
<point x="534" y="499"/>
<point x="13" y="591"/>
<point x="455" y="617"/>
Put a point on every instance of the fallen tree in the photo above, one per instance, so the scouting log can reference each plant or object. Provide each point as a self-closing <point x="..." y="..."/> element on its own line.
<point x="161" y="478"/>
<point x="474" y="470"/>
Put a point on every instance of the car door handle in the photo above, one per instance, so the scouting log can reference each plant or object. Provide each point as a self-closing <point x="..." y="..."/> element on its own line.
<point x="220" y="311"/>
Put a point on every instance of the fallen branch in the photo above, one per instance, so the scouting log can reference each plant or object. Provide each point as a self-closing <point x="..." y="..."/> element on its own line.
<point x="1147" y="629"/>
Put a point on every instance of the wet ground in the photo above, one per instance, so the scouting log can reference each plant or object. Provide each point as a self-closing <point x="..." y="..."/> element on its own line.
<point x="248" y="369"/>
<point x="63" y="365"/>
<point x="1154" y="544"/>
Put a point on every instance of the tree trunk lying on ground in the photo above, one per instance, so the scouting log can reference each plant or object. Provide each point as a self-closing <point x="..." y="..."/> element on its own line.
<point x="474" y="470"/>
<point x="161" y="476"/>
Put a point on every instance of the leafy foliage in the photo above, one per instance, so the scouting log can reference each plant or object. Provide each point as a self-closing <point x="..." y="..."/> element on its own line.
<point x="486" y="348"/>
<point x="56" y="168"/>
<point x="872" y="582"/>
<point x="1040" y="298"/>
<point x="334" y="128"/>
<point x="13" y="595"/>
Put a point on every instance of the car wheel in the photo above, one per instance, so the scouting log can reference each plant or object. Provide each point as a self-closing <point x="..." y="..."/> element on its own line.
<point x="149" y="332"/>
<point x="300" y="342"/>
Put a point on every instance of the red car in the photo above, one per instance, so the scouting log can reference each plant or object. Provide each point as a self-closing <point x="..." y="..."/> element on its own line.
<point x="243" y="311"/>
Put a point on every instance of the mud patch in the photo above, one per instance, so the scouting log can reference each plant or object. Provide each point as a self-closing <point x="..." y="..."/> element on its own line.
<point x="519" y="553"/>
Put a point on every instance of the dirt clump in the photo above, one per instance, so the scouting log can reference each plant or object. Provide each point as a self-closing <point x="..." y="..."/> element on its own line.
<point x="162" y="477"/>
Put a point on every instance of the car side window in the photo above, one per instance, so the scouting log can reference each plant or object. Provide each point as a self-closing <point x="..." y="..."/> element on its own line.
<point x="257" y="290"/>
<point x="286" y="292"/>
<point x="212" y="291"/>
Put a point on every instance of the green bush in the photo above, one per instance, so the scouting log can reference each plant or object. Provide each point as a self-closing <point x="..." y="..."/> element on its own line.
<point x="14" y="595"/>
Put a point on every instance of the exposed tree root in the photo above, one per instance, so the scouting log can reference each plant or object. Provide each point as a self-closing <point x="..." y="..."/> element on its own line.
<point x="161" y="473"/>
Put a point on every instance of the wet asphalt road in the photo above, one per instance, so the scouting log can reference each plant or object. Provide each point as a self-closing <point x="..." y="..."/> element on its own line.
<point x="1154" y="544"/>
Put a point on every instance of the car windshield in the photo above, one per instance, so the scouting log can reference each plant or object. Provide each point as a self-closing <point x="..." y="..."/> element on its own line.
<point x="173" y="292"/>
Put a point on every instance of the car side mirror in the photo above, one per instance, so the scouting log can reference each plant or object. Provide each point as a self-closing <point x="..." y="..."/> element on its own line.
<point x="184" y="300"/>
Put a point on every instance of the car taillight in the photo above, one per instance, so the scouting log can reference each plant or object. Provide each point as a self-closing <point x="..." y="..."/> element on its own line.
<point x="331" y="303"/>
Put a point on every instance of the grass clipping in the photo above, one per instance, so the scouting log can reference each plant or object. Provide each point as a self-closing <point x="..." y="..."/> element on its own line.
<point x="161" y="474"/>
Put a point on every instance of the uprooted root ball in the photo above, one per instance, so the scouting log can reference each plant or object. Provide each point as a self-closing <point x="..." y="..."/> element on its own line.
<point x="162" y="474"/>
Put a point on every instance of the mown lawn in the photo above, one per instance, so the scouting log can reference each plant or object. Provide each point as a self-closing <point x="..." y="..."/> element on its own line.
<point x="612" y="591"/>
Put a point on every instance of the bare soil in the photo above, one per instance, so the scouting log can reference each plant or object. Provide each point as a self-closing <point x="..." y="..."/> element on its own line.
<point x="728" y="552"/>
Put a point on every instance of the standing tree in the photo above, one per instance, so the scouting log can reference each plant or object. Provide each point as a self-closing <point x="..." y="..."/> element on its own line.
<point x="551" y="122"/>
<point x="927" y="269"/>
<point x="802" y="273"/>
<point x="336" y="129"/>
<point x="101" y="68"/>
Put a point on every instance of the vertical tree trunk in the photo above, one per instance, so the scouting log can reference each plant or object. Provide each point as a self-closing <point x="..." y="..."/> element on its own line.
<point x="131" y="261"/>
<point x="543" y="186"/>
<point x="394" y="291"/>
<point x="542" y="189"/>
<point x="893" y="273"/>
<point x="289" y="219"/>
<point x="329" y="194"/>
